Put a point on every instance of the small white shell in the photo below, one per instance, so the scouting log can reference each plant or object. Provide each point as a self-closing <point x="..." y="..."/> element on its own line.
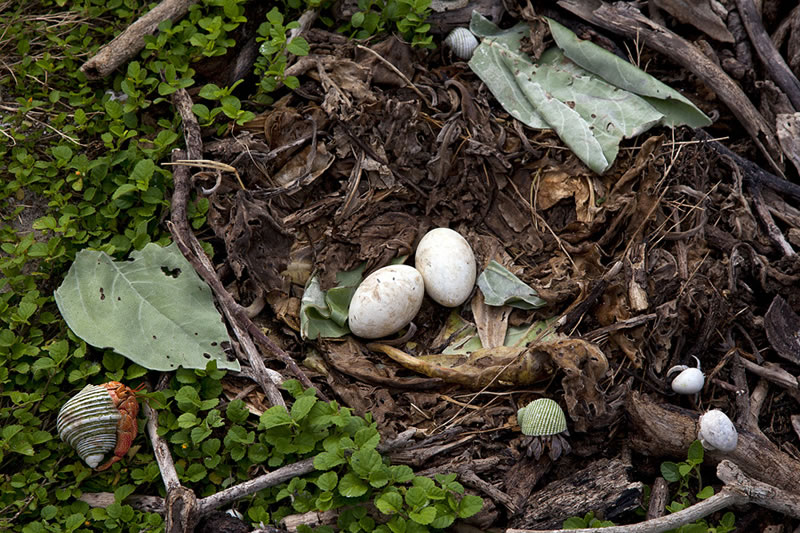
<point x="88" y="422"/>
<point x="462" y="42"/>
<point x="542" y="417"/>
<point x="447" y="264"/>
<point x="689" y="381"/>
<point x="717" y="432"/>
<point x="386" y="301"/>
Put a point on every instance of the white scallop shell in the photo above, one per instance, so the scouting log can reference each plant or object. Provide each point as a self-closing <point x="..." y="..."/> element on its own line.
<point x="447" y="264"/>
<point x="88" y="422"/>
<point x="542" y="417"/>
<point x="462" y="42"/>
<point x="717" y="432"/>
<point x="386" y="301"/>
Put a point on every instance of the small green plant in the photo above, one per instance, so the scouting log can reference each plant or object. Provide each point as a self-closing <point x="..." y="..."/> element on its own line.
<point x="270" y="65"/>
<point x="588" y="520"/>
<point x="408" y="17"/>
<point x="685" y="474"/>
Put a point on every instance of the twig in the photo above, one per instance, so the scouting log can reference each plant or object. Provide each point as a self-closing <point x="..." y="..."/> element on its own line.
<point x="285" y="473"/>
<point x="769" y="55"/>
<point x="161" y="450"/>
<point x="128" y="43"/>
<point x="191" y="249"/>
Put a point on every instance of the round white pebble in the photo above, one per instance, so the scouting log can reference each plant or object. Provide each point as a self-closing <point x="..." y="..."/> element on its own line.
<point x="447" y="264"/>
<point x="386" y="301"/>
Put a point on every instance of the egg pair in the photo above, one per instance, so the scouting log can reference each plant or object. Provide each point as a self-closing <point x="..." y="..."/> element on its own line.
<point x="389" y="298"/>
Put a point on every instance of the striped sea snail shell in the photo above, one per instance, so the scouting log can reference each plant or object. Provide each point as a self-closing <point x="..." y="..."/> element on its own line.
<point x="88" y="422"/>
<point x="462" y="42"/>
<point x="542" y="417"/>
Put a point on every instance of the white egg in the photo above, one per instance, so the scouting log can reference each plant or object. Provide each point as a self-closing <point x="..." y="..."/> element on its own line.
<point x="447" y="264"/>
<point x="386" y="301"/>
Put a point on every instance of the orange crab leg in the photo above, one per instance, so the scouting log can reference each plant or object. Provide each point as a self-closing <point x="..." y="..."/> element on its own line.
<point x="124" y="399"/>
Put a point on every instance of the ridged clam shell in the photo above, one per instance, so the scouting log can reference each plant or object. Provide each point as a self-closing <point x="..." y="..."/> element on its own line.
<point x="542" y="417"/>
<point x="88" y="422"/>
<point x="462" y="42"/>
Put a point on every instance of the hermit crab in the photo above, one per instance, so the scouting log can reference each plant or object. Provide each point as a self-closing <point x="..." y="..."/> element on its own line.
<point x="545" y="424"/>
<point x="689" y="381"/>
<point x="99" y="419"/>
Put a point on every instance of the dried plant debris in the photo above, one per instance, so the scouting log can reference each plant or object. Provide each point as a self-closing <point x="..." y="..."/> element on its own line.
<point x="356" y="165"/>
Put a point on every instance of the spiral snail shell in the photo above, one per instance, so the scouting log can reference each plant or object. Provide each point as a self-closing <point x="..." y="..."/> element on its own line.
<point x="462" y="42"/>
<point x="88" y="422"/>
<point x="542" y="417"/>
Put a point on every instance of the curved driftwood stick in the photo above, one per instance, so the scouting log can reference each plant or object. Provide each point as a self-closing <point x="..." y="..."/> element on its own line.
<point x="666" y="430"/>
<point x="739" y="489"/>
<point x="128" y="43"/>
<point x="623" y="19"/>
<point x="769" y="55"/>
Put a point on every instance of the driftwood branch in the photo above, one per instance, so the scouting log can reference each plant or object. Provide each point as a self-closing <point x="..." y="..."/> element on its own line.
<point x="739" y="489"/>
<point x="624" y="19"/>
<point x="128" y="43"/>
<point x="769" y="55"/>
<point x="667" y="430"/>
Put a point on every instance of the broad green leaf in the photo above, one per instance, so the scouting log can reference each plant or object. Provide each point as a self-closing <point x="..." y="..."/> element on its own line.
<point x="327" y="481"/>
<point x="705" y="493"/>
<point x="153" y="309"/>
<point x="669" y="471"/>
<point x="350" y="486"/>
<point x="275" y="416"/>
<point x="302" y="406"/>
<point x="501" y="287"/>
<point x="324" y="313"/>
<point x="389" y="503"/>
<point x="424" y="516"/>
<point x="469" y="505"/>
<point x="696" y="452"/>
<point x="574" y="522"/>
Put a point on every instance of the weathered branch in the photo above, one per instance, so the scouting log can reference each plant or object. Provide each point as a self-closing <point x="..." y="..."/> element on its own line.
<point x="739" y="489"/>
<point x="128" y="43"/>
<point x="191" y="249"/>
<point x="769" y="55"/>
<point x="667" y="430"/>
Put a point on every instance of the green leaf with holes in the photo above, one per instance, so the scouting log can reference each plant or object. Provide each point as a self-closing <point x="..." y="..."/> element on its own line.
<point x="153" y="309"/>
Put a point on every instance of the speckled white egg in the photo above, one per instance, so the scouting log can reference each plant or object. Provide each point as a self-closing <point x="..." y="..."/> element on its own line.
<point x="386" y="301"/>
<point x="717" y="432"/>
<point x="447" y="264"/>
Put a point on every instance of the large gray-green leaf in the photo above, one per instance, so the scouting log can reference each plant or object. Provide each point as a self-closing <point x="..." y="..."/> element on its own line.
<point x="677" y="109"/>
<point x="501" y="287"/>
<point x="589" y="113"/>
<point x="153" y="309"/>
